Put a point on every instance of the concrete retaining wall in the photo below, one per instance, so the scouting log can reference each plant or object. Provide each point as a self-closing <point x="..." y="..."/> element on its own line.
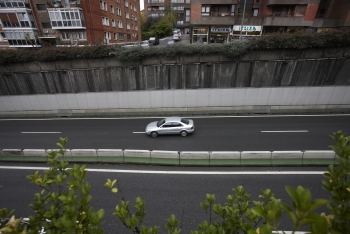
<point x="279" y="100"/>
<point x="184" y="158"/>
<point x="266" y="68"/>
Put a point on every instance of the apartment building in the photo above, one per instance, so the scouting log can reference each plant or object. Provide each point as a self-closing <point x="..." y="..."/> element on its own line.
<point x="158" y="8"/>
<point x="221" y="21"/>
<point x="26" y="23"/>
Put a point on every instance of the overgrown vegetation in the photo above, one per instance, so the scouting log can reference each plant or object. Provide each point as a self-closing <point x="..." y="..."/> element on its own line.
<point x="300" y="40"/>
<point x="63" y="204"/>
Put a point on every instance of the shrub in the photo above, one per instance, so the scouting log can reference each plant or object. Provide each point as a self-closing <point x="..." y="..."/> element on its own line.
<point x="298" y="40"/>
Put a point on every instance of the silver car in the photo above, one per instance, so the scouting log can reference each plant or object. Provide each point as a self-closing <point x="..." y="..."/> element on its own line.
<point x="170" y="125"/>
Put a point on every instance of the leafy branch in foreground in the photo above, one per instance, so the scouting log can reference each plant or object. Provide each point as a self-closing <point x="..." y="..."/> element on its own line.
<point x="131" y="221"/>
<point x="63" y="205"/>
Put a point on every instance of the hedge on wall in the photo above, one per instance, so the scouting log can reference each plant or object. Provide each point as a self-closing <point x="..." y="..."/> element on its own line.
<point x="299" y="40"/>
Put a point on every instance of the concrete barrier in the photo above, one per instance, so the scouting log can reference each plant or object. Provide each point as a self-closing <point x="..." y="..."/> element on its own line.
<point x="313" y="157"/>
<point x="255" y="158"/>
<point x="34" y="155"/>
<point x="83" y="155"/>
<point x="110" y="155"/>
<point x="225" y="158"/>
<point x="287" y="158"/>
<point x="9" y="155"/>
<point x="194" y="158"/>
<point x="185" y="158"/>
<point x="137" y="156"/>
<point x="165" y="157"/>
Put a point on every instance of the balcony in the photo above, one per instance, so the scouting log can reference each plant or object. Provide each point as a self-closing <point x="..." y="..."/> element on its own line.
<point x="214" y="20"/>
<point x="66" y="18"/>
<point x="289" y="2"/>
<point x="283" y="19"/>
<point x="14" y="4"/>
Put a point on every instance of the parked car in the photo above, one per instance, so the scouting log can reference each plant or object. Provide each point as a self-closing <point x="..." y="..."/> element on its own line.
<point x="170" y="125"/>
<point x="153" y="40"/>
<point x="176" y="37"/>
<point x="145" y="43"/>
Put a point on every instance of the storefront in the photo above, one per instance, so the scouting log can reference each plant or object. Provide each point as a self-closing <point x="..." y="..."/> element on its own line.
<point x="200" y="35"/>
<point x="220" y="34"/>
<point x="247" y="31"/>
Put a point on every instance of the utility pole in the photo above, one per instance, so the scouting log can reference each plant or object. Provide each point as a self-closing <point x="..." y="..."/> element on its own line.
<point x="240" y="35"/>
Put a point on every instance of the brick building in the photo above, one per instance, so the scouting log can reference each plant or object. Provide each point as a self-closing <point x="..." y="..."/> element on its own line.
<point x="69" y="22"/>
<point x="157" y="8"/>
<point x="223" y="20"/>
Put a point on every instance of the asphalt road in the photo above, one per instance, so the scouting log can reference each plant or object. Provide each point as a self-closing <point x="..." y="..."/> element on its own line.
<point x="166" y="193"/>
<point x="239" y="133"/>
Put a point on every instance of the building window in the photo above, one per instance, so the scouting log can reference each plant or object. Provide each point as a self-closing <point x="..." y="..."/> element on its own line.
<point x="233" y="8"/>
<point x="46" y="25"/>
<point x="65" y="36"/>
<point x="118" y="1"/>
<point x="41" y="7"/>
<point x="256" y="12"/>
<point x="205" y="10"/>
<point x="179" y="22"/>
<point x="127" y="26"/>
<point x="120" y="24"/>
<point x="127" y="15"/>
<point x="105" y="21"/>
<point x="115" y="36"/>
<point x="103" y="5"/>
<point x="136" y="28"/>
<point x="62" y="17"/>
<point x="23" y="19"/>
<point x="187" y="13"/>
<point x="121" y="36"/>
<point x="126" y="3"/>
<point x="3" y="36"/>
<point x="119" y="11"/>
<point x="113" y="23"/>
<point x="129" y="37"/>
<point x="81" y="35"/>
<point x="108" y="35"/>
<point x="112" y="8"/>
<point x="135" y="8"/>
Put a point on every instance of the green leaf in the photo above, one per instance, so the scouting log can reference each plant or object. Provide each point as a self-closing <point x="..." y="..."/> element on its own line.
<point x="114" y="190"/>
<point x="317" y="203"/>
<point x="292" y="193"/>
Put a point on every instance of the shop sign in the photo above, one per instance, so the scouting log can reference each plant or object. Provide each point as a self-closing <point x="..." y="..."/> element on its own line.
<point x="247" y="28"/>
<point x="220" y="29"/>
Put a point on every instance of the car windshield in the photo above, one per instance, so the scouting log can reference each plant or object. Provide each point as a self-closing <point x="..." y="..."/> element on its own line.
<point x="160" y="123"/>
<point x="185" y="121"/>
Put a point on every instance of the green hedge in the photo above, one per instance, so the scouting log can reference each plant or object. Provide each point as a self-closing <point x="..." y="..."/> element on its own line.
<point x="299" y="40"/>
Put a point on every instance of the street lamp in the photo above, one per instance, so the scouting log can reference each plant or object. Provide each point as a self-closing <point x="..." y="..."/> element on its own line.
<point x="240" y="35"/>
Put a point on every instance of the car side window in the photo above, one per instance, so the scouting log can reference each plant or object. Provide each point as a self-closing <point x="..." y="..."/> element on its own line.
<point x="177" y="124"/>
<point x="167" y="125"/>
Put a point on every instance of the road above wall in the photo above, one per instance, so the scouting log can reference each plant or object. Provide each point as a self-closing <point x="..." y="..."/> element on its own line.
<point x="228" y="133"/>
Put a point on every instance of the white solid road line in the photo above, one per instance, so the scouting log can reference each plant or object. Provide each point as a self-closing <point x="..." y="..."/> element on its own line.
<point x="288" y="131"/>
<point x="192" y="117"/>
<point x="40" y="132"/>
<point x="183" y="172"/>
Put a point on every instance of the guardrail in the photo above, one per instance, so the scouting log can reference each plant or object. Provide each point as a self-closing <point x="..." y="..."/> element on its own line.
<point x="178" y="158"/>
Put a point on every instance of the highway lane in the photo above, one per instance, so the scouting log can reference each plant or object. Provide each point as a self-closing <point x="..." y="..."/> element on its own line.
<point x="165" y="194"/>
<point x="237" y="133"/>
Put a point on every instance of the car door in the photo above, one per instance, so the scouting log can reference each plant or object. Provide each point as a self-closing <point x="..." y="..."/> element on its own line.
<point x="177" y="127"/>
<point x="166" y="128"/>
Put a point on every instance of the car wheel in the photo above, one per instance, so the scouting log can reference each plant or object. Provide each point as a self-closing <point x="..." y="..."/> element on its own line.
<point x="183" y="133"/>
<point x="154" y="134"/>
